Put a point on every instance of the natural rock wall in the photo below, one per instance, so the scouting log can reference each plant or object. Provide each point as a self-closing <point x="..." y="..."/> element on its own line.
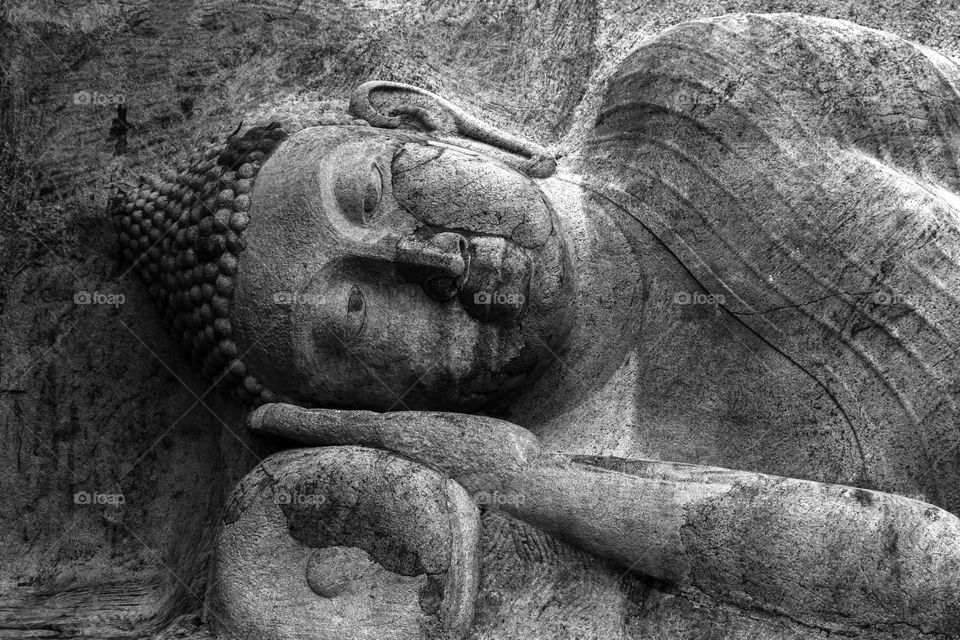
<point x="96" y="400"/>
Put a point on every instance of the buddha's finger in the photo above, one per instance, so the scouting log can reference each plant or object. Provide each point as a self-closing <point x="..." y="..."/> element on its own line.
<point x="344" y="542"/>
<point x="453" y="443"/>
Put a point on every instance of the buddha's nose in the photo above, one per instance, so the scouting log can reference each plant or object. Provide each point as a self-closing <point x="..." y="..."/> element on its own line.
<point x="439" y="262"/>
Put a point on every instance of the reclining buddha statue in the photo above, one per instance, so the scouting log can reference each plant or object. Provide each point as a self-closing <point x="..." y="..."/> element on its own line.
<point x="696" y="376"/>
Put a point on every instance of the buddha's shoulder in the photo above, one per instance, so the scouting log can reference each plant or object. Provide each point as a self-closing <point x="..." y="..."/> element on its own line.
<point x="744" y="82"/>
<point x="762" y="42"/>
<point x="700" y="65"/>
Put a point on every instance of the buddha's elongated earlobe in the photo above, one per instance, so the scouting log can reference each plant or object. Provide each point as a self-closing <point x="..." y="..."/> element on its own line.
<point x="540" y="163"/>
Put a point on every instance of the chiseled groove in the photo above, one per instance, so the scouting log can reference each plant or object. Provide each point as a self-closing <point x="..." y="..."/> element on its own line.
<point x="652" y="107"/>
<point x="797" y="304"/>
<point x="762" y="134"/>
<point x="845" y="43"/>
<point x="952" y="155"/>
<point x="793" y="302"/>
<point x="681" y="199"/>
<point x="937" y="250"/>
<point x="898" y="338"/>
<point x="771" y="99"/>
<point x="838" y="333"/>
<point x="825" y="284"/>
<point x="857" y="349"/>
<point x="882" y="147"/>
<point x="895" y="336"/>
<point x="600" y="191"/>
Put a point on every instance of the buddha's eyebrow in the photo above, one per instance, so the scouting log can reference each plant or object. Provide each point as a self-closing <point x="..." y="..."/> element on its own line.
<point x="403" y="154"/>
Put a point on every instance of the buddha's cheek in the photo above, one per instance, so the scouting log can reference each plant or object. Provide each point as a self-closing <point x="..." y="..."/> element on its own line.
<point x="406" y="351"/>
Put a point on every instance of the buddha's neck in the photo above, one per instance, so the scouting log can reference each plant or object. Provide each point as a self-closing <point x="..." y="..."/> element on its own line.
<point x="584" y="400"/>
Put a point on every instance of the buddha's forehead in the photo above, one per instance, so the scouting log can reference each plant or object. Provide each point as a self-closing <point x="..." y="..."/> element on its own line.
<point x="300" y="202"/>
<point x="424" y="181"/>
<point x="321" y="155"/>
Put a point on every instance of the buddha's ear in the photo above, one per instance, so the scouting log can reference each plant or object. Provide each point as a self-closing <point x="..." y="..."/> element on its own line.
<point x="393" y="105"/>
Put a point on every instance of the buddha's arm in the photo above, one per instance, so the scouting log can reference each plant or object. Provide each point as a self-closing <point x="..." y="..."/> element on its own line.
<point x="826" y="555"/>
<point x="455" y="443"/>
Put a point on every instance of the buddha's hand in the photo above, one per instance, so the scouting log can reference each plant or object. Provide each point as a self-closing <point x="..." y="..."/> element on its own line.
<point x="460" y="446"/>
<point x="345" y="542"/>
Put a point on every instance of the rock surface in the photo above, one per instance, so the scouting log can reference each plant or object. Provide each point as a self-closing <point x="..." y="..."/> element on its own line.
<point x="96" y="401"/>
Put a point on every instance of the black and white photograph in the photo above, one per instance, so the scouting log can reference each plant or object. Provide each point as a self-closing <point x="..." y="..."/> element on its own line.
<point x="480" y="319"/>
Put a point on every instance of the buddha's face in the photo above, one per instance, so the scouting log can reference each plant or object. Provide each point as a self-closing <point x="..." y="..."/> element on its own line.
<point x="385" y="270"/>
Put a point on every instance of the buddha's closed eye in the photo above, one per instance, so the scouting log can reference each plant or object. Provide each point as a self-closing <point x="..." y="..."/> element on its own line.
<point x="355" y="302"/>
<point x="339" y="319"/>
<point x="355" y="317"/>
<point x="359" y="191"/>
